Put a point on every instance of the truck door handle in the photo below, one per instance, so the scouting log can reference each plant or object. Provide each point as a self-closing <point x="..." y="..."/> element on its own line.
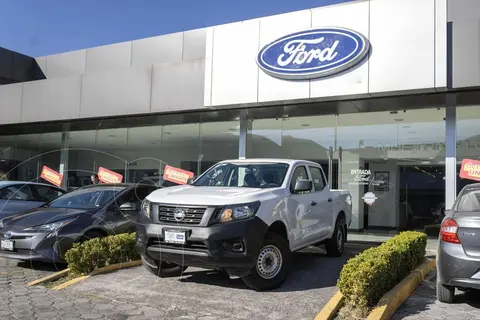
<point x="330" y="199"/>
<point x="313" y="203"/>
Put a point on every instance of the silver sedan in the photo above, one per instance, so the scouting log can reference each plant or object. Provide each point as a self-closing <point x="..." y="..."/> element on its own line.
<point x="458" y="254"/>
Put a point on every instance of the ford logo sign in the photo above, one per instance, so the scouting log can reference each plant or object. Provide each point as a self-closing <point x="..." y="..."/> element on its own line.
<point x="313" y="53"/>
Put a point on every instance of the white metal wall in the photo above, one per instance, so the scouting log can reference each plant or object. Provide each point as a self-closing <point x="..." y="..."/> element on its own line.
<point x="408" y="39"/>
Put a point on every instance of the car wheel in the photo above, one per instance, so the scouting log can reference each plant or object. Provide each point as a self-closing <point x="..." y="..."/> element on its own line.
<point x="445" y="294"/>
<point x="272" y="264"/>
<point x="163" y="269"/>
<point x="336" y="244"/>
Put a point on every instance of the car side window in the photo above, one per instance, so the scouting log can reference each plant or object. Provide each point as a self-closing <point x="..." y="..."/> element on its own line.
<point x="20" y="192"/>
<point x="46" y="193"/>
<point x="300" y="173"/>
<point x="318" y="178"/>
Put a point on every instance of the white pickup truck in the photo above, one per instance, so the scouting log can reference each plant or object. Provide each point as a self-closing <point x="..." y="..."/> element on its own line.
<point x="245" y="217"/>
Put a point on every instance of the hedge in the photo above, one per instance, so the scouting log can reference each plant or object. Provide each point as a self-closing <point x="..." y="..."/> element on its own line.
<point x="365" y="278"/>
<point x="92" y="254"/>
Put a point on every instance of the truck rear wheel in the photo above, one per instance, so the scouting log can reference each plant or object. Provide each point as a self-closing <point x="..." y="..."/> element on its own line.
<point x="336" y="244"/>
<point x="272" y="264"/>
<point x="163" y="269"/>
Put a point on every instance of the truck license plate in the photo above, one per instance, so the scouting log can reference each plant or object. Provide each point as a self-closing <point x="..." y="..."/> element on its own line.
<point x="177" y="237"/>
<point x="6" y="245"/>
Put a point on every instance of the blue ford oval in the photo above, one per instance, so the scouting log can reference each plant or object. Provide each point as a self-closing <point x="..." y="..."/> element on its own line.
<point x="313" y="53"/>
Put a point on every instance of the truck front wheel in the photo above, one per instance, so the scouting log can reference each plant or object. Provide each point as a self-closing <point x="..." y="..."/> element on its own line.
<point x="163" y="269"/>
<point x="336" y="244"/>
<point x="272" y="264"/>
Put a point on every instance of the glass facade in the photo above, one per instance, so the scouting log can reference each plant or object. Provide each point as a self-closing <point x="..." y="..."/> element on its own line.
<point x="141" y="153"/>
<point x="398" y="156"/>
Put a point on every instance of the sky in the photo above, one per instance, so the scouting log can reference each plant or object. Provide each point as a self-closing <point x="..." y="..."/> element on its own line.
<point x="43" y="27"/>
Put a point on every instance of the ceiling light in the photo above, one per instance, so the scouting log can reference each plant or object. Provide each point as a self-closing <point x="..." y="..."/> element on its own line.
<point x="305" y="125"/>
<point x="167" y="133"/>
<point x="393" y="112"/>
<point x="111" y="136"/>
<point x="399" y="120"/>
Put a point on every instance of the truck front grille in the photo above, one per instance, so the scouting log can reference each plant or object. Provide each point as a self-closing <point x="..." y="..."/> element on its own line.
<point x="192" y="215"/>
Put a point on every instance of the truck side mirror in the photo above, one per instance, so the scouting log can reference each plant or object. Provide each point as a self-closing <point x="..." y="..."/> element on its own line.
<point x="190" y="180"/>
<point x="303" y="186"/>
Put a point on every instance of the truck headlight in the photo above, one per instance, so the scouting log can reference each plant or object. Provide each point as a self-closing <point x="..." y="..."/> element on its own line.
<point x="238" y="212"/>
<point x="146" y="208"/>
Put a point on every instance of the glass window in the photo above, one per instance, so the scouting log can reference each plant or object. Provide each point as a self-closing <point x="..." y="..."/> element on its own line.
<point x="140" y="154"/>
<point x="23" y="156"/>
<point x="469" y="200"/>
<point x="318" y="179"/>
<point x="46" y="193"/>
<point x="307" y="138"/>
<point x="89" y="198"/>
<point x="300" y="173"/>
<point x="468" y="139"/>
<point x="255" y="175"/>
<point x="21" y="192"/>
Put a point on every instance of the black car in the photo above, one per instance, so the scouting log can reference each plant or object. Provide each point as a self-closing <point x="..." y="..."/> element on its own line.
<point x="46" y="233"/>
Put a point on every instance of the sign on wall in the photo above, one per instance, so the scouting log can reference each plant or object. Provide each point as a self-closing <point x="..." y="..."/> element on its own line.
<point x="107" y="176"/>
<point x="51" y="176"/>
<point x="177" y="175"/>
<point x="313" y="53"/>
<point x="470" y="169"/>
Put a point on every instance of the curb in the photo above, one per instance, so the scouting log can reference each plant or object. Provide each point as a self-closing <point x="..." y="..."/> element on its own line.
<point x="54" y="276"/>
<point x="107" y="269"/>
<point x="393" y="299"/>
<point x="331" y="308"/>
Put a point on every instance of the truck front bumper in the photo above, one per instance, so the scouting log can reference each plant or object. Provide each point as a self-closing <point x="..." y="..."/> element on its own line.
<point x="231" y="245"/>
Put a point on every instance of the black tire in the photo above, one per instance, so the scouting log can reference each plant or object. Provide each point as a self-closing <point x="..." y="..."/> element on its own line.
<point x="273" y="245"/>
<point x="164" y="269"/>
<point x="336" y="244"/>
<point x="445" y="294"/>
<point x="92" y="234"/>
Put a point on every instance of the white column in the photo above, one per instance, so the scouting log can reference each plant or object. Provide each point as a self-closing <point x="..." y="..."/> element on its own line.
<point x="242" y="142"/>
<point x="63" y="170"/>
<point x="451" y="152"/>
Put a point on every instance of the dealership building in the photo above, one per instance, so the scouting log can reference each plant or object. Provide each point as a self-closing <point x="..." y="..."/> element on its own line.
<point x="384" y="94"/>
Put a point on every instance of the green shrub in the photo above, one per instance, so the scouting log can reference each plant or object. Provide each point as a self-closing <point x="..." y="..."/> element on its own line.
<point x="92" y="254"/>
<point x="367" y="277"/>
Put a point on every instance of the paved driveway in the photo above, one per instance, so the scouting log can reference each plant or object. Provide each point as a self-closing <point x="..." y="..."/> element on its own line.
<point x="198" y="294"/>
<point x="423" y="304"/>
<point x="201" y="294"/>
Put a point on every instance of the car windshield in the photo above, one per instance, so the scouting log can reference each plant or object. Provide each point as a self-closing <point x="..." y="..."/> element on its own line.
<point x="89" y="198"/>
<point x="469" y="200"/>
<point x="249" y="175"/>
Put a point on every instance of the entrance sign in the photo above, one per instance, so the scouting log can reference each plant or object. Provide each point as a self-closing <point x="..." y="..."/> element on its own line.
<point x="313" y="53"/>
<point x="51" y="176"/>
<point x="470" y="169"/>
<point x="177" y="175"/>
<point x="107" y="176"/>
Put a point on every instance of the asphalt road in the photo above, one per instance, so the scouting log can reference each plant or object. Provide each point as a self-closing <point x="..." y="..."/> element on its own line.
<point x="424" y="305"/>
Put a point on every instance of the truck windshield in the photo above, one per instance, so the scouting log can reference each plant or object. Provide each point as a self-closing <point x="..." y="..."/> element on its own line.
<point x="249" y="175"/>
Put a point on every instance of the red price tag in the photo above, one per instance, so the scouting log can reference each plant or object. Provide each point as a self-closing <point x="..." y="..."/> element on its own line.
<point x="177" y="175"/>
<point x="470" y="169"/>
<point x="107" y="176"/>
<point x="51" y="176"/>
